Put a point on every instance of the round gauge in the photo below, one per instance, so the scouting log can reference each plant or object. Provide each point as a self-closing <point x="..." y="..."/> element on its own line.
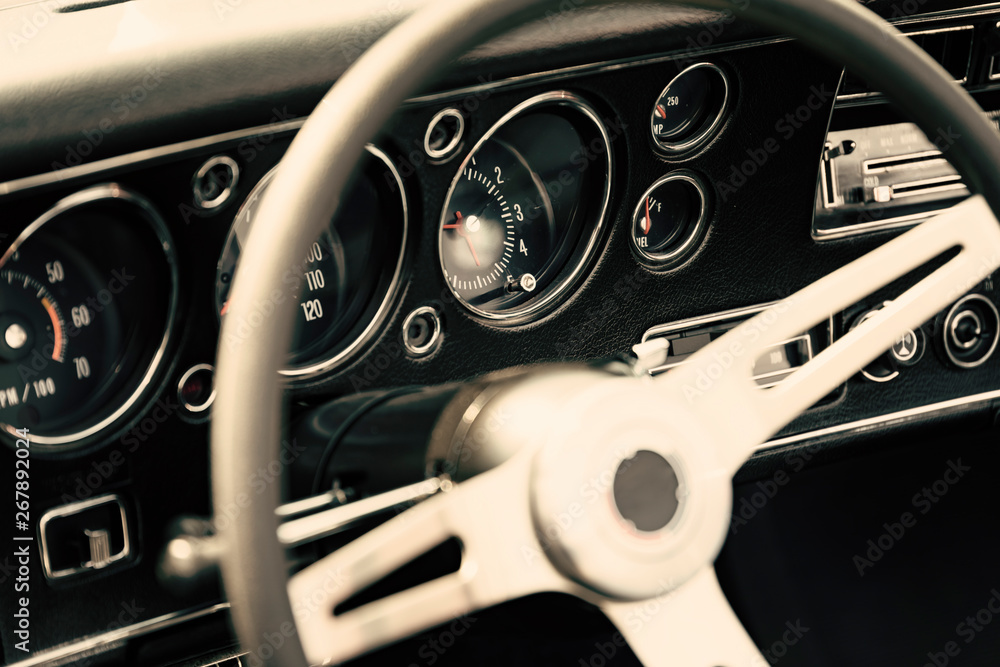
<point x="669" y="219"/>
<point x="349" y="274"/>
<point x="87" y="296"/>
<point x="690" y="108"/>
<point x="524" y="212"/>
<point x="482" y="248"/>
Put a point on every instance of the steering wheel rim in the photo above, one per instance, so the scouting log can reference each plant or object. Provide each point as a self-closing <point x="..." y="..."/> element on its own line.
<point x="247" y="420"/>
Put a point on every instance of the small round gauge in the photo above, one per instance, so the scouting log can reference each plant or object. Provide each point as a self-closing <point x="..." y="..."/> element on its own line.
<point x="669" y="218"/>
<point x="87" y="298"/>
<point x="524" y="212"/>
<point x="690" y="108"/>
<point x="349" y="274"/>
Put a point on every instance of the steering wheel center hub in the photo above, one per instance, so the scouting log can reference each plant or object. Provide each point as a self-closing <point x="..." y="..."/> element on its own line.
<point x="628" y="507"/>
<point x="645" y="491"/>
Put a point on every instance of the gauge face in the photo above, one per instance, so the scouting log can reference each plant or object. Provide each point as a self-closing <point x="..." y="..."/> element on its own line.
<point x="523" y="213"/>
<point x="690" y="108"/>
<point x="349" y="273"/>
<point x="86" y="302"/>
<point x="669" y="219"/>
<point x="52" y="357"/>
<point x="499" y="245"/>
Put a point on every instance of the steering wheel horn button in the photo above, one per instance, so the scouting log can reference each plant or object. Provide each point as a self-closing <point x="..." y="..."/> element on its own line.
<point x="646" y="491"/>
<point x="622" y="518"/>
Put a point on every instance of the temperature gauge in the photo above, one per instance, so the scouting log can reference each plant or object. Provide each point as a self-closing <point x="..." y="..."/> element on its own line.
<point x="690" y="108"/>
<point x="669" y="218"/>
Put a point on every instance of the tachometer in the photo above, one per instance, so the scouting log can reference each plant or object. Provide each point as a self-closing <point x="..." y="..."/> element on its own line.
<point x="524" y="213"/>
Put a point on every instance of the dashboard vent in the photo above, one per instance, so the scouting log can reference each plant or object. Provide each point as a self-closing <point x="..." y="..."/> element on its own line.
<point x="951" y="47"/>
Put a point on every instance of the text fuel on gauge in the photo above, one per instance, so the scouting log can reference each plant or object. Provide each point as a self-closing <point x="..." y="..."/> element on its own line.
<point x="668" y="218"/>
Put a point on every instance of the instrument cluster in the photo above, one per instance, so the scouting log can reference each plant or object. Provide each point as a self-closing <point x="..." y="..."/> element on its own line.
<point x="98" y="303"/>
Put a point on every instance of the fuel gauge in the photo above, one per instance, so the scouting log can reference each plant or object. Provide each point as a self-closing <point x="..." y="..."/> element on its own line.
<point x="669" y="219"/>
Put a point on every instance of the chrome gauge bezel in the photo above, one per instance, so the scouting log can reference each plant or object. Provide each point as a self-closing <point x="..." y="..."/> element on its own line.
<point x="675" y="257"/>
<point x="328" y="363"/>
<point x="571" y="272"/>
<point x="708" y="130"/>
<point x="149" y="215"/>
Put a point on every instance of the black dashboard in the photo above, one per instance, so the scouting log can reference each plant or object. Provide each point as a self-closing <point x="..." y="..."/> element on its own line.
<point x="560" y="196"/>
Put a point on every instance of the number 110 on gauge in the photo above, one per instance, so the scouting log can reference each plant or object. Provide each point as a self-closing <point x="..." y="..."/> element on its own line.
<point x="312" y="309"/>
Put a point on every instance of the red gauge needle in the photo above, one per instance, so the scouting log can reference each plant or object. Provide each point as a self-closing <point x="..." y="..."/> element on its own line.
<point x="648" y="221"/>
<point x="663" y="112"/>
<point x="460" y="228"/>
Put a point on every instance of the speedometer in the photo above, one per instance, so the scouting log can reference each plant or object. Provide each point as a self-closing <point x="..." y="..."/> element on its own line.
<point x="524" y="213"/>
<point x="349" y="275"/>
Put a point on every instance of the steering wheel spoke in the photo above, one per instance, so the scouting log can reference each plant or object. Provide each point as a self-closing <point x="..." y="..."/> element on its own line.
<point x="719" y="379"/>
<point x="690" y="626"/>
<point x="501" y="560"/>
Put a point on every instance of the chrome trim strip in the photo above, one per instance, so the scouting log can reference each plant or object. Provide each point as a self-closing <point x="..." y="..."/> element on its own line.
<point x="104" y="641"/>
<point x="899" y="222"/>
<point x="147" y="155"/>
<point x="192" y="145"/>
<point x="703" y="320"/>
<point x="891" y="419"/>
<point x="561" y="73"/>
<point x="884" y="164"/>
<point x="553" y="75"/>
<point x="302" y="530"/>
<point x="114" y="192"/>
